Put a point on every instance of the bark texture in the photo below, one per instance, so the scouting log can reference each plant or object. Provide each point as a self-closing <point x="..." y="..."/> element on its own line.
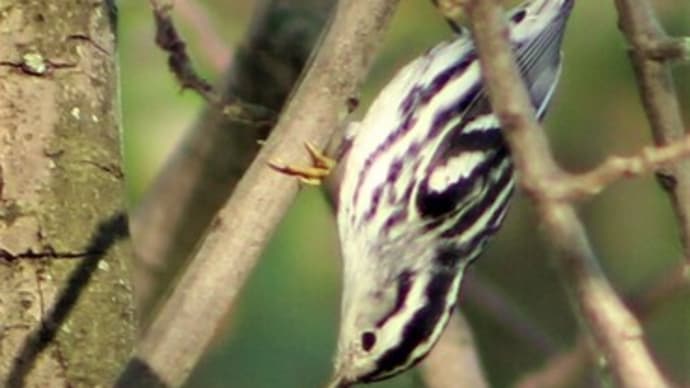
<point x="65" y="295"/>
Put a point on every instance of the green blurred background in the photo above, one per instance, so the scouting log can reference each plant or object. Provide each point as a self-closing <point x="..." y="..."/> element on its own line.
<point x="283" y="332"/>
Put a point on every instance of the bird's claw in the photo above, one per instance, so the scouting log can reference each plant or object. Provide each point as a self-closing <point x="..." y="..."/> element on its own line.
<point x="312" y="175"/>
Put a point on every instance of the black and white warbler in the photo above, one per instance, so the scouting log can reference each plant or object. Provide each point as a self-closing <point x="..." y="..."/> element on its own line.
<point x="427" y="181"/>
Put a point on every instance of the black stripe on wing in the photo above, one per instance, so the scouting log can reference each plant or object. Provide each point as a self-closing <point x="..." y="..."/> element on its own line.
<point x="437" y="204"/>
<point x="539" y="62"/>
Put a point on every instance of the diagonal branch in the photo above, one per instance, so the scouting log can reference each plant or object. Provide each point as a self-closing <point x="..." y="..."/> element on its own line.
<point x="500" y="308"/>
<point x="562" y="370"/>
<point x="454" y="361"/>
<point x="565" y="368"/>
<point x="179" y="62"/>
<point x="212" y="46"/>
<point x="208" y="289"/>
<point x="660" y="101"/>
<point x="206" y="165"/>
<point x="616" y="331"/>
<point x="590" y="183"/>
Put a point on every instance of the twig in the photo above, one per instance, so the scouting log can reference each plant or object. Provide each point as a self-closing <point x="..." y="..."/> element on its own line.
<point x="209" y="39"/>
<point x="205" y="167"/>
<point x="207" y="290"/>
<point x="673" y="282"/>
<point x="180" y="64"/>
<point x="168" y="39"/>
<point x="578" y="186"/>
<point x="645" y="34"/>
<point x="562" y="370"/>
<point x="565" y="368"/>
<point x="501" y="309"/>
<point x="616" y="331"/>
<point x="454" y="361"/>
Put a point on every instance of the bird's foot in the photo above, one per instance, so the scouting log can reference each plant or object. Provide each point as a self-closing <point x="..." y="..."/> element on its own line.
<point x="314" y="175"/>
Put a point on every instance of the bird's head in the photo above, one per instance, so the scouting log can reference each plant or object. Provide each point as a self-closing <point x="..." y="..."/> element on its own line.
<point x="391" y="318"/>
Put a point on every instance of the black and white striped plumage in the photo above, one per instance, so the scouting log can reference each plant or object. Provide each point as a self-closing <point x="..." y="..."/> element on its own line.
<point x="427" y="181"/>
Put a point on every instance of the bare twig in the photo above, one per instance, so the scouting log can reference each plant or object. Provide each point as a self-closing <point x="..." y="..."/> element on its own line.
<point x="168" y="39"/>
<point x="205" y="167"/>
<point x="579" y="186"/>
<point x="207" y="290"/>
<point x="562" y="370"/>
<point x="645" y="34"/>
<point x="675" y="281"/>
<point x="210" y="41"/>
<point x="616" y="331"/>
<point x="567" y="367"/>
<point x="454" y="361"/>
<point x="180" y="64"/>
<point x="501" y="309"/>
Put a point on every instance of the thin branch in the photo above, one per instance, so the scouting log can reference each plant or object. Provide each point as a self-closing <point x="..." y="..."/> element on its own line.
<point x="209" y="39"/>
<point x="659" y="98"/>
<point x="168" y="39"/>
<point x="578" y="186"/>
<point x="669" y="49"/>
<point x="616" y="331"/>
<point x="562" y="370"/>
<point x="180" y="64"/>
<point x="565" y="368"/>
<point x="205" y="167"/>
<point x="504" y="311"/>
<point x="669" y="285"/>
<point x="454" y="361"/>
<point x="208" y="289"/>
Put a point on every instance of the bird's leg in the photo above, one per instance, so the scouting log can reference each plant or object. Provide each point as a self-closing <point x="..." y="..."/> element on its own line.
<point x="451" y="10"/>
<point x="312" y="175"/>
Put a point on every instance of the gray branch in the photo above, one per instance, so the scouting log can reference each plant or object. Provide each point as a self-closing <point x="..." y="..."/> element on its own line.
<point x="616" y="331"/>
<point x="218" y="148"/>
<point x="454" y="361"/>
<point x="207" y="290"/>
<point x="645" y="34"/>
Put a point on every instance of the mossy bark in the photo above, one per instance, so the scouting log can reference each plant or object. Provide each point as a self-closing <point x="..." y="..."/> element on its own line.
<point x="66" y="315"/>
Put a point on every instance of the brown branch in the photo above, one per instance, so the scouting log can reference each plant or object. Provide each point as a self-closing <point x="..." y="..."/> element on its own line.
<point x="207" y="290"/>
<point x="675" y="281"/>
<point x="616" y="331"/>
<point x="501" y="309"/>
<point x="565" y="368"/>
<point x="578" y="186"/>
<point x="454" y="361"/>
<point x="562" y="370"/>
<point x="645" y="35"/>
<point x="669" y="49"/>
<point x="169" y="40"/>
<point x="205" y="167"/>
<point x="210" y="41"/>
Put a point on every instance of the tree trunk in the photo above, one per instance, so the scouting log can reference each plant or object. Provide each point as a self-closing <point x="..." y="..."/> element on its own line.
<point x="66" y="315"/>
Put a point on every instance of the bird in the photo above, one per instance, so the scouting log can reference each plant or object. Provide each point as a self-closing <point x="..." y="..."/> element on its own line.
<point x="425" y="181"/>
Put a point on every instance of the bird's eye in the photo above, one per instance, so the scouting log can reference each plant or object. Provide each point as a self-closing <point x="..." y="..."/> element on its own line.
<point x="368" y="340"/>
<point x="518" y="16"/>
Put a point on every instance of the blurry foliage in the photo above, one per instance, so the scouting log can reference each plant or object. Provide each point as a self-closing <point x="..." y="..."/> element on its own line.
<point x="283" y="334"/>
